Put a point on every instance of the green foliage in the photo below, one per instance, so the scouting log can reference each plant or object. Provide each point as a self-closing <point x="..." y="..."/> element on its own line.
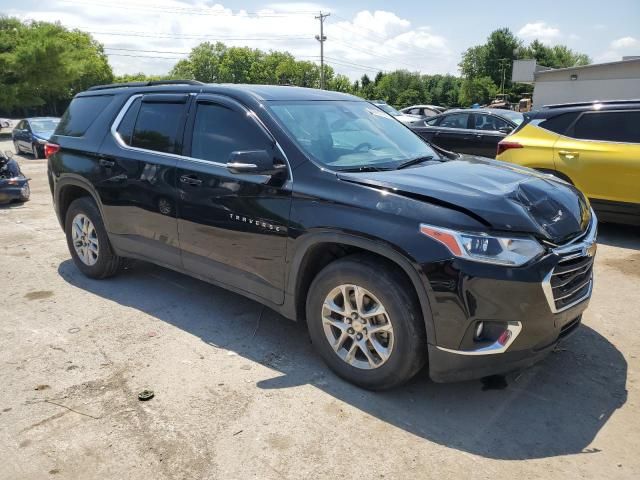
<point x="42" y="65"/>
<point x="484" y="67"/>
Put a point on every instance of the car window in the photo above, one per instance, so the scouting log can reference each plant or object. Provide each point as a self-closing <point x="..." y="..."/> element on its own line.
<point x="560" y="123"/>
<point x="455" y="120"/>
<point x="157" y="127"/>
<point x="484" y="121"/>
<point x="81" y="113"/>
<point x="125" y="129"/>
<point x="433" y="121"/>
<point x="349" y="134"/>
<point x="20" y="125"/>
<point x="44" y="125"/>
<point x="609" y="126"/>
<point x="218" y="130"/>
<point x="414" y="111"/>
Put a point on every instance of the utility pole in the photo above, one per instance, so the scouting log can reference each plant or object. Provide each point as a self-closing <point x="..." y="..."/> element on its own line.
<point x="503" y="63"/>
<point x="321" y="38"/>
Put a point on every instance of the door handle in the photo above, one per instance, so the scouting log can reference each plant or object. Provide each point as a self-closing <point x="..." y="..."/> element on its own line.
<point x="106" y="163"/>
<point x="568" y="154"/>
<point x="190" y="180"/>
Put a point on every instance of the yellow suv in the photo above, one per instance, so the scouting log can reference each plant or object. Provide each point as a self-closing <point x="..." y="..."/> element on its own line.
<point x="595" y="146"/>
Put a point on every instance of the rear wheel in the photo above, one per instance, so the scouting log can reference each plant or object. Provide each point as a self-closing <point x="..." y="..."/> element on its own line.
<point x="88" y="241"/>
<point x="365" y="323"/>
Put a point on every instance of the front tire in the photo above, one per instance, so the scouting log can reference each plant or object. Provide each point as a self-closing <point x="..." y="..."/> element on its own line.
<point x="88" y="241"/>
<point x="366" y="323"/>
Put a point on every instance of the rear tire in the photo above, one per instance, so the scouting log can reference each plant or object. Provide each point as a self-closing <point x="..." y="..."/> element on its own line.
<point x="377" y="351"/>
<point x="88" y="241"/>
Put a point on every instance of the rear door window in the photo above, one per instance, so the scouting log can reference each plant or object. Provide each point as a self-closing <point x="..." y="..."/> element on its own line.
<point x="484" y="121"/>
<point x="621" y="126"/>
<point x="158" y="125"/>
<point x="81" y="114"/>
<point x="455" y="120"/>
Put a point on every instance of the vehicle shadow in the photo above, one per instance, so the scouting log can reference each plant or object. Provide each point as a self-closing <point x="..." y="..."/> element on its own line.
<point x="624" y="236"/>
<point x="555" y="408"/>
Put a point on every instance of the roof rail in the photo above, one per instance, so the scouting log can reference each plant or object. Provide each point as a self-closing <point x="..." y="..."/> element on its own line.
<point x="145" y="84"/>
<point x="592" y="102"/>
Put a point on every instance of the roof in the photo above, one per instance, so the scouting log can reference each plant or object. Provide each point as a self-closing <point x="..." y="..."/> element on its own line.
<point x="591" y="65"/>
<point x="549" y="111"/>
<point x="495" y="111"/>
<point x="257" y="92"/>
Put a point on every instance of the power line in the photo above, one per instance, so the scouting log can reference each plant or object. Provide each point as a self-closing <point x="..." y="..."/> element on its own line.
<point x="347" y="63"/>
<point x="196" y="37"/>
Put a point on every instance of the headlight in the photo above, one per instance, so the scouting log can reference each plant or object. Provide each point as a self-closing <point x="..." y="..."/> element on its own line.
<point x="480" y="247"/>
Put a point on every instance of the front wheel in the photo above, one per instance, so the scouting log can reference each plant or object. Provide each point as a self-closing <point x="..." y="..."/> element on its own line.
<point x="88" y="241"/>
<point x="365" y="322"/>
<point x="36" y="152"/>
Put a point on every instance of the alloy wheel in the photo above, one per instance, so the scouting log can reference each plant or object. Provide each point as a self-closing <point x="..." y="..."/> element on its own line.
<point x="357" y="327"/>
<point x="85" y="239"/>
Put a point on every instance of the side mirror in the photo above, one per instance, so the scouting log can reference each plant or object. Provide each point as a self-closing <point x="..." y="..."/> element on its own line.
<point x="505" y="130"/>
<point x="254" y="162"/>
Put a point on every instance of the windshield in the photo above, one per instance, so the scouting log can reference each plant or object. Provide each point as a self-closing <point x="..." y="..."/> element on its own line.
<point x="515" y="117"/>
<point x="44" y="125"/>
<point x="345" y="135"/>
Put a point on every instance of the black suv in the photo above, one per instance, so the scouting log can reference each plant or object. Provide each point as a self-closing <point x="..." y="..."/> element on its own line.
<point x="326" y="209"/>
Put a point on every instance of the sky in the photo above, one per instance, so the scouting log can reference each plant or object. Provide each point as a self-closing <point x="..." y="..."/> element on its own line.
<point x="428" y="36"/>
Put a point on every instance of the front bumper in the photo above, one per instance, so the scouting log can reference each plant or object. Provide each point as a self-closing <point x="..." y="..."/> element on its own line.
<point x="540" y="304"/>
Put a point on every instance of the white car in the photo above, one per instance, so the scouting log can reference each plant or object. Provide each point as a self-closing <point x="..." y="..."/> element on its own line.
<point x="424" y="111"/>
<point x="408" y="120"/>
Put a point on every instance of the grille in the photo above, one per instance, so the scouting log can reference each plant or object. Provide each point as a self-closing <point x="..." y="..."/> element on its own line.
<point x="571" y="280"/>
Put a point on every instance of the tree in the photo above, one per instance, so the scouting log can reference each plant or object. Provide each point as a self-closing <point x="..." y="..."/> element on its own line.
<point x="477" y="90"/>
<point x="42" y="65"/>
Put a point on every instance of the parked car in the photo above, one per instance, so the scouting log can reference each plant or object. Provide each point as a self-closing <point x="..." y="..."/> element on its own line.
<point x="423" y="111"/>
<point x="14" y="186"/>
<point x="322" y="207"/>
<point x="595" y="146"/>
<point x="409" y="120"/>
<point x="31" y="134"/>
<point x="472" y="131"/>
<point x="5" y="123"/>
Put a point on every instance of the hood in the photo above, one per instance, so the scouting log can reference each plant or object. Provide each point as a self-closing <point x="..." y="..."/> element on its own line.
<point x="500" y="195"/>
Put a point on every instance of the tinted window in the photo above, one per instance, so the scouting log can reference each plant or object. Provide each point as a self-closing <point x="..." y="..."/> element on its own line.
<point x="560" y="123"/>
<point x="609" y="126"/>
<point x="455" y="120"/>
<point x="125" y="129"/>
<point x="218" y="131"/>
<point x="81" y="113"/>
<point x="434" y="121"/>
<point x="489" y="122"/>
<point x="157" y="127"/>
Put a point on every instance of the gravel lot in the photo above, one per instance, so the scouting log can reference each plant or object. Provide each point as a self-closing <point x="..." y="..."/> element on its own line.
<point x="239" y="395"/>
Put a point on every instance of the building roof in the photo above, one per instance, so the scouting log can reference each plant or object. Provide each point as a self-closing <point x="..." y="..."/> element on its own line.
<point x="591" y="65"/>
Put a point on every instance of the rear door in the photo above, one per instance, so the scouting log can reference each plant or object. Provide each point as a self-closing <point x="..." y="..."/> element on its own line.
<point x="136" y="176"/>
<point x="601" y="155"/>
<point x="232" y="227"/>
<point x="454" y="132"/>
<point x="487" y="134"/>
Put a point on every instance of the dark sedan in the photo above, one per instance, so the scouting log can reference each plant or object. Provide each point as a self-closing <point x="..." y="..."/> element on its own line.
<point x="472" y="131"/>
<point x="31" y="134"/>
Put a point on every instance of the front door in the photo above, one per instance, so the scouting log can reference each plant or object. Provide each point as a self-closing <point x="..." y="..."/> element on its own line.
<point x="487" y="134"/>
<point x="232" y="227"/>
<point x="454" y="133"/>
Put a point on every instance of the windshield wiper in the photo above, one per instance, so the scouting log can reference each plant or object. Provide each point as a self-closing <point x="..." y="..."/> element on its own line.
<point x="364" y="168"/>
<point x="414" y="161"/>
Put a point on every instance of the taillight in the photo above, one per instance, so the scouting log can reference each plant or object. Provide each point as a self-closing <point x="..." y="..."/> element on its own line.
<point x="50" y="149"/>
<point x="504" y="146"/>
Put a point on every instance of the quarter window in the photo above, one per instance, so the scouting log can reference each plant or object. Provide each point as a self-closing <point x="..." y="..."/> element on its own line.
<point x="559" y="124"/>
<point x="609" y="126"/>
<point x="125" y="129"/>
<point x="219" y="130"/>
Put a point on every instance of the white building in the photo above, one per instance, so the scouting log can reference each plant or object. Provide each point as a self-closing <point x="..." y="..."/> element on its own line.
<point x="599" y="81"/>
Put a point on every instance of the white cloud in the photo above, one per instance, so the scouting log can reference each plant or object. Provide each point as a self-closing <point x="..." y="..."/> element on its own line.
<point x="624" y="43"/>
<point x="618" y="48"/>
<point x="541" y="31"/>
<point x="168" y="29"/>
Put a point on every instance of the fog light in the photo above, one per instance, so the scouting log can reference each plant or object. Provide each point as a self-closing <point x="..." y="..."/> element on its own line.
<point x="479" y="330"/>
